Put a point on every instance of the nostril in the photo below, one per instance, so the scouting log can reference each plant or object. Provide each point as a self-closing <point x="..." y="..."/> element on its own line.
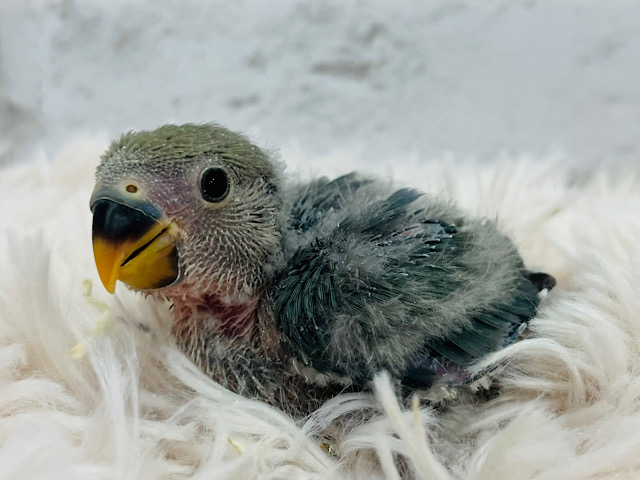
<point x="131" y="188"/>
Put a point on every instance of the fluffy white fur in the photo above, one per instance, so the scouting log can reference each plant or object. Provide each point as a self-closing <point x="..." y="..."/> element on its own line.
<point x="93" y="386"/>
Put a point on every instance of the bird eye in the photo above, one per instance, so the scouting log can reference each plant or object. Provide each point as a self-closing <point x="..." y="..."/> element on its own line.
<point x="214" y="185"/>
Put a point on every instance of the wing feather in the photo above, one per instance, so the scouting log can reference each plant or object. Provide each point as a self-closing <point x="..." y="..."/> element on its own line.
<point x="399" y="282"/>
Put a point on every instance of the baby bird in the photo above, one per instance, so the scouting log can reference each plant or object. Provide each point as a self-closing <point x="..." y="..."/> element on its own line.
<point x="292" y="293"/>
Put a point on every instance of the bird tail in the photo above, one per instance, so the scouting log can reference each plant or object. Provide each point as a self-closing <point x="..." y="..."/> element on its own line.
<point x="542" y="281"/>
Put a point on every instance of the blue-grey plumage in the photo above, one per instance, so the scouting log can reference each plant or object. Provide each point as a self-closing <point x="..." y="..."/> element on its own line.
<point x="293" y="292"/>
<point x="399" y="282"/>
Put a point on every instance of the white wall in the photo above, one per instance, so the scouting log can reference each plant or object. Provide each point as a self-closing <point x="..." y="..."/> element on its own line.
<point x="470" y="77"/>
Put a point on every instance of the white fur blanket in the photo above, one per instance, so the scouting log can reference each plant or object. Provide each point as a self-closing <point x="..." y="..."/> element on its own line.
<point x="92" y="386"/>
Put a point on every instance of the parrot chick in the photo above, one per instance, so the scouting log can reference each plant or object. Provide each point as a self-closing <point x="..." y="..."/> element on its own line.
<point x="292" y="293"/>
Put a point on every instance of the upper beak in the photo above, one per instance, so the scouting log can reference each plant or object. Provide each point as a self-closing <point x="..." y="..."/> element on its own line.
<point x="134" y="244"/>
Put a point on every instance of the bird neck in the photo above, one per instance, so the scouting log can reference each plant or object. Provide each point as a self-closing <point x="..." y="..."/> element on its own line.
<point x="210" y="314"/>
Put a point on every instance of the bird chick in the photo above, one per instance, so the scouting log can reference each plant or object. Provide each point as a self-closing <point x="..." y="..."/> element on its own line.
<point x="291" y="293"/>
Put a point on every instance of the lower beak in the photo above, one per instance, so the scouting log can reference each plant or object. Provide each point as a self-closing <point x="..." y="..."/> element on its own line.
<point x="133" y="246"/>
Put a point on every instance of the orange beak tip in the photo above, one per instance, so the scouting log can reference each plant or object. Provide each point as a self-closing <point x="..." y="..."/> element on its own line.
<point x="111" y="288"/>
<point x="109" y="281"/>
<point x="108" y="258"/>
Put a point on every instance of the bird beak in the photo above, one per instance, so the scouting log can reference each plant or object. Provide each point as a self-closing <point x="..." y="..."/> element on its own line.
<point x="133" y="243"/>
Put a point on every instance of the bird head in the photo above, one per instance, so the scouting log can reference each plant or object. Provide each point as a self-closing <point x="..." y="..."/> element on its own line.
<point x="185" y="205"/>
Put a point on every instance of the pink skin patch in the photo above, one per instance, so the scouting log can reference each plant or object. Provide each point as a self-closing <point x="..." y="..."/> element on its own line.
<point x="233" y="320"/>
<point x="210" y="312"/>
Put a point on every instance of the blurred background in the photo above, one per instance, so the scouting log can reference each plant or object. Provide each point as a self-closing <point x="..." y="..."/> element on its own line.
<point x="475" y="79"/>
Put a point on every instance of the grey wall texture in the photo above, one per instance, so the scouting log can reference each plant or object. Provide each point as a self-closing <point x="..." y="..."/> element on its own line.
<point x="472" y="78"/>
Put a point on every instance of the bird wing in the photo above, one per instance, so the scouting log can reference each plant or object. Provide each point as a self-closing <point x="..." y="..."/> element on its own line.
<point x="388" y="285"/>
<point x="490" y="330"/>
<point x="316" y="198"/>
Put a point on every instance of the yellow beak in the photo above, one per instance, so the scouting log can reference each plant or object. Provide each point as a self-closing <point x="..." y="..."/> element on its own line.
<point x="134" y="245"/>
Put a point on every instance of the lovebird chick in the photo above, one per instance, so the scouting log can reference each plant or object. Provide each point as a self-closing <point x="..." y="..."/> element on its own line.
<point x="292" y="293"/>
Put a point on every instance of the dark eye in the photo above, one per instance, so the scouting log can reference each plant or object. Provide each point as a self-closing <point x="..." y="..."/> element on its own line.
<point x="214" y="185"/>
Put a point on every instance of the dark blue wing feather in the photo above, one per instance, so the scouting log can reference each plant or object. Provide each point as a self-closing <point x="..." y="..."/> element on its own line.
<point x="491" y="330"/>
<point x="368" y="295"/>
